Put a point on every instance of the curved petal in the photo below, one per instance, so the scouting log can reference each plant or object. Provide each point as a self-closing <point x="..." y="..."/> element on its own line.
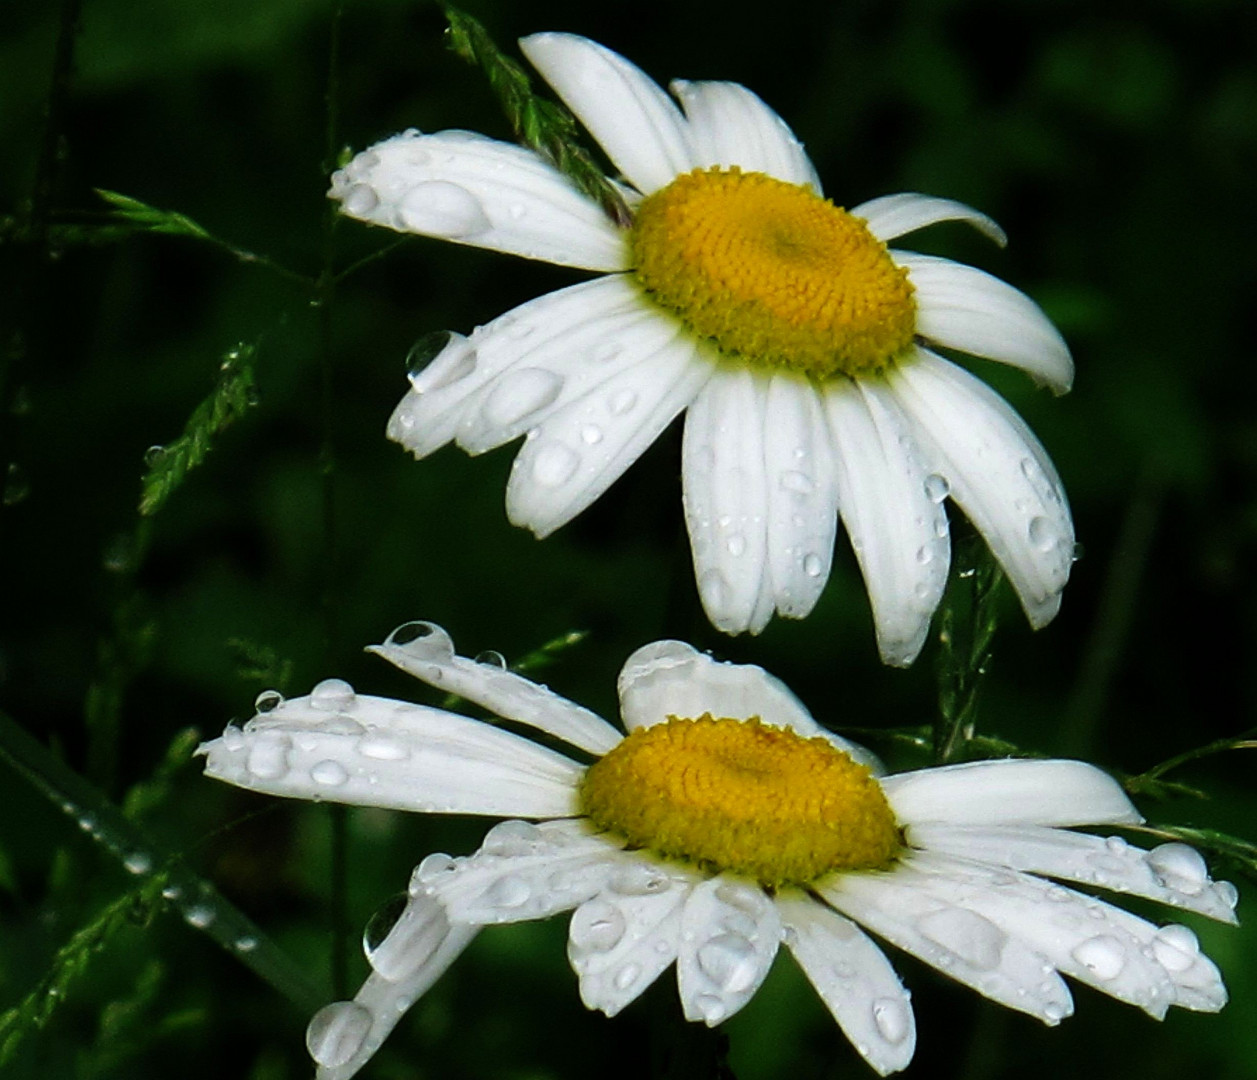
<point x="462" y="377"/>
<point x="469" y="189"/>
<point x="1107" y="862"/>
<point x="854" y="980"/>
<point x="802" y="494"/>
<point x="420" y="947"/>
<point x="726" y="499"/>
<point x="729" y="125"/>
<point x="729" y="936"/>
<point x="578" y="360"/>
<point x="370" y="751"/>
<point x="524" y="871"/>
<point x="581" y="449"/>
<point x="1019" y="791"/>
<point x="892" y="508"/>
<point x="634" y="121"/>
<point x="425" y="651"/>
<point x="957" y="941"/>
<point x="1000" y="475"/>
<point x="894" y="215"/>
<point x="972" y="311"/>
<point x="620" y="941"/>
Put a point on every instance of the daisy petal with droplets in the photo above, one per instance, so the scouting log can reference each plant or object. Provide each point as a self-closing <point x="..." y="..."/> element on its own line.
<point x="723" y="824"/>
<point x="784" y="327"/>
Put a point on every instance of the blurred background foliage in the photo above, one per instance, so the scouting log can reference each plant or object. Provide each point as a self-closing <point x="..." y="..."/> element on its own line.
<point x="1116" y="143"/>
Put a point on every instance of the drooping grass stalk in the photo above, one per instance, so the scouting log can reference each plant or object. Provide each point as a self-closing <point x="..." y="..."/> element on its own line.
<point x="200" y="904"/>
<point x="968" y="619"/>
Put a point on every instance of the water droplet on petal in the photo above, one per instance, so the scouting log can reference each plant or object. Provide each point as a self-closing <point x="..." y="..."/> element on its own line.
<point x="246" y="944"/>
<point x="554" y="464"/>
<point x="597" y="926"/>
<point x="382" y="747"/>
<point x="1054" y="1012"/>
<point x="621" y="402"/>
<point x="517" y="211"/>
<point x="332" y="695"/>
<point x="508" y="892"/>
<point x="439" y="208"/>
<point x="492" y="658"/>
<point x="268" y="756"/>
<point x="892" y="1018"/>
<point x="936" y="488"/>
<point x="154" y="455"/>
<point x="627" y="976"/>
<point x="728" y="960"/>
<point x="199" y="915"/>
<point x="1104" y="956"/>
<point x="975" y="940"/>
<point x="433" y="867"/>
<point x="268" y="701"/>
<point x="813" y="565"/>
<point x="925" y="555"/>
<point x="329" y="773"/>
<point x="337" y="1032"/>
<point x="512" y="838"/>
<point x="736" y="544"/>
<point x="1227" y="893"/>
<point x="1041" y="534"/>
<point x="359" y="200"/>
<point x="591" y="434"/>
<point x="639" y="879"/>
<point x="519" y="394"/>
<point x="797" y="482"/>
<point x="1175" y="948"/>
<point x="1180" y="868"/>
<point x="381" y="922"/>
<point x="424" y="640"/>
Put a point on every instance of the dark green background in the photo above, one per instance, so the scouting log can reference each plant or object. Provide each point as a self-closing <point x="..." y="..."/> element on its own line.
<point x="1115" y="142"/>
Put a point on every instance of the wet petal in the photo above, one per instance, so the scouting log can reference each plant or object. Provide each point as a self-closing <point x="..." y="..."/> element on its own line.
<point x="894" y="215"/>
<point x="371" y="751"/>
<point x="967" y="309"/>
<point x="634" y="121"/>
<point x="854" y="980"/>
<point x="892" y="508"/>
<point x="425" y="651"/>
<point x="999" y="473"/>
<point x="463" y="187"/>
<point x="1010" y="792"/>
<point x="729" y="125"/>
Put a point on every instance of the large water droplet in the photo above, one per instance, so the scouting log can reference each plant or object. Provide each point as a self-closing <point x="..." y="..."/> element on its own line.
<point x="433" y="868"/>
<point x="332" y="695"/>
<point x="639" y="879"/>
<point x="591" y="434"/>
<point x="337" y="1032"/>
<point x="627" y="976"/>
<point x="1175" y="947"/>
<point x="512" y="838"/>
<point x="554" y="464"/>
<point x="714" y="588"/>
<point x="621" y="402"/>
<point x="508" y="892"/>
<point x="1054" y="1012"/>
<point x="936" y="488"/>
<point x="892" y="1019"/>
<point x="424" y="640"/>
<point x="359" y="200"/>
<point x="268" y="756"/>
<point x="382" y="747"/>
<point x="154" y="455"/>
<point x="728" y="960"/>
<point x="813" y="565"/>
<point x="1043" y="536"/>
<point x="597" y="926"/>
<point x="1104" y="956"/>
<point x="1227" y="893"/>
<point x="268" y="701"/>
<point x="329" y="773"/>
<point x="492" y="658"/>
<point x="967" y="935"/>
<point x="439" y="208"/>
<point x="519" y="394"/>
<point x="1180" y="868"/>
<point x="381" y="922"/>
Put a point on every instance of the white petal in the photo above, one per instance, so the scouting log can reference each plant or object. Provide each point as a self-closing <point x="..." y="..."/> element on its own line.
<point x="955" y="940"/>
<point x="854" y="980"/>
<point x="525" y="872"/>
<point x="343" y="1036"/>
<point x="460" y="186"/>
<point x="999" y="473"/>
<point x="802" y="494"/>
<point x="729" y="936"/>
<point x="726" y="499"/>
<point x="729" y="125"/>
<point x="582" y="449"/>
<point x="893" y="215"/>
<point x="634" y="121"/>
<point x="892" y="508"/>
<point x="561" y="368"/>
<point x="462" y="378"/>
<point x="621" y="940"/>
<point x="380" y="752"/>
<point x="968" y="309"/>
<point x="427" y="653"/>
<point x="1088" y="940"/>
<point x="1009" y="792"/>
<point x="1107" y="862"/>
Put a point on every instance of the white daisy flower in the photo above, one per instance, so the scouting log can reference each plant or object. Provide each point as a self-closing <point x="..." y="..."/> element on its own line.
<point x="799" y="343"/>
<point x="725" y="823"/>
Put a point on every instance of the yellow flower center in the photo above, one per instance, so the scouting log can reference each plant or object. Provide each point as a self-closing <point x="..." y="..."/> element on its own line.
<point x="740" y="795"/>
<point x="772" y="273"/>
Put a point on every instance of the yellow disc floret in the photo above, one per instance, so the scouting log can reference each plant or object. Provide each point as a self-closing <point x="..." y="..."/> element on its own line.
<point x="772" y="273"/>
<point x="742" y="796"/>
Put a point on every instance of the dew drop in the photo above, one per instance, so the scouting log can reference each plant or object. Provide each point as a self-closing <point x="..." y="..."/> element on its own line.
<point x="332" y="695"/>
<point x="199" y="915"/>
<point x="359" y="200"/>
<point x="1175" y="948"/>
<point x="508" y="892"/>
<point x="1104" y="956"/>
<point x="936" y="488"/>
<point x="517" y="395"/>
<point x="337" y="1032"/>
<point x="591" y="434"/>
<point x="813" y="565"/>
<point x="426" y="349"/>
<point x="382" y="747"/>
<point x="728" y="960"/>
<point x="967" y="935"/>
<point x="423" y="640"/>
<point x="268" y="756"/>
<point x="1180" y="868"/>
<point x="1054" y="1012"/>
<point x="925" y="555"/>
<point x="518" y="211"/>
<point x="892" y="1019"/>
<point x="329" y="773"/>
<point x="171" y="892"/>
<point x="597" y="926"/>
<point x="736" y="544"/>
<point x="381" y="922"/>
<point x="1227" y="893"/>
<point x="627" y="976"/>
<point x="440" y="208"/>
<point x="268" y="701"/>
<point x="621" y="402"/>
<point x="639" y="879"/>
<point x="433" y="867"/>
<point x="492" y="658"/>
<point x="153" y="456"/>
<point x="138" y="862"/>
<point x="554" y="464"/>
<point x="1041" y="534"/>
<point x="246" y="944"/>
<point x="512" y="838"/>
<point x="714" y="588"/>
<point x="797" y="482"/>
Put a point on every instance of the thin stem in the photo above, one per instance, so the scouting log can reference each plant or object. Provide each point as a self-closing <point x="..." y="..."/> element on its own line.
<point x="1151" y="777"/>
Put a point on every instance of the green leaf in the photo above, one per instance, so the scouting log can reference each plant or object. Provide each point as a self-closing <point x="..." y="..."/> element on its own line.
<point x="140" y="216"/>
<point x="233" y="395"/>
